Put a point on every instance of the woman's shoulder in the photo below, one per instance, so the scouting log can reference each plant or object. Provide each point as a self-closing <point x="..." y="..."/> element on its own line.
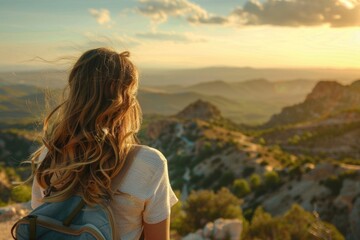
<point x="148" y="165"/>
<point x="150" y="158"/>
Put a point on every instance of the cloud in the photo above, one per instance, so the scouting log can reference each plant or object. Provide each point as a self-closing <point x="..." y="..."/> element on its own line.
<point x="92" y="40"/>
<point x="160" y="10"/>
<point x="171" y="36"/>
<point x="295" y="13"/>
<point x="292" y="13"/>
<point x="102" y="16"/>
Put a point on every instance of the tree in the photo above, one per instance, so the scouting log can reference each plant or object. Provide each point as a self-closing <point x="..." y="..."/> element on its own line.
<point x="205" y="206"/>
<point x="178" y="217"/>
<point x="272" y="180"/>
<point x="255" y="181"/>
<point x="21" y="193"/>
<point x="294" y="224"/>
<point x="241" y="188"/>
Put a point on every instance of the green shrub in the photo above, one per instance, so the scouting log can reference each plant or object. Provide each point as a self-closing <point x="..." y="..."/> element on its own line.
<point x="294" y="224"/>
<point x="21" y="193"/>
<point x="255" y="181"/>
<point x="205" y="206"/>
<point x="241" y="188"/>
<point x="271" y="180"/>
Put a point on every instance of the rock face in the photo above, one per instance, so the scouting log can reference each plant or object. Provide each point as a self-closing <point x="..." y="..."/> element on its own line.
<point x="220" y="229"/>
<point x="326" y="89"/>
<point x="201" y="145"/>
<point x="355" y="219"/>
<point x="327" y="123"/>
<point x="327" y="98"/>
<point x="200" y="110"/>
<point x="312" y="193"/>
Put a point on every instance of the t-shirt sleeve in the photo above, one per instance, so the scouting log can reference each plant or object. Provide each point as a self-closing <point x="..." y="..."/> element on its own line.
<point x="37" y="191"/>
<point x="36" y="195"/>
<point x="161" y="196"/>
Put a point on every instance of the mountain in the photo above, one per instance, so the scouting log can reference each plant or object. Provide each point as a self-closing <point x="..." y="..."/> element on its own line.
<point x="25" y="103"/>
<point x="205" y="155"/>
<point x="50" y="79"/>
<point x="202" y="145"/>
<point x="55" y="78"/>
<point x="250" y="102"/>
<point x="326" y="124"/>
<point x="200" y="110"/>
<point x="205" y="151"/>
<point x="188" y="77"/>
<point x="157" y="102"/>
<point x="254" y="89"/>
<point x="326" y="98"/>
<point x="217" y="88"/>
<point x="244" y="101"/>
<point x="257" y="99"/>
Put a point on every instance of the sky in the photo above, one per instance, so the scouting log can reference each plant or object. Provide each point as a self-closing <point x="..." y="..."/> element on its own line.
<point x="166" y="34"/>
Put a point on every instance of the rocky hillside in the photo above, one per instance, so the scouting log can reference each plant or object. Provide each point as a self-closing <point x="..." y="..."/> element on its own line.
<point x="15" y="147"/>
<point x="330" y="190"/>
<point x="200" y="110"/>
<point x="326" y="99"/>
<point x="203" y="154"/>
<point x="326" y="124"/>
<point x="205" y="150"/>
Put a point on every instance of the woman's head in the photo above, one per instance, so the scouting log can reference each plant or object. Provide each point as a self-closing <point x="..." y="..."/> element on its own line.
<point x="94" y="128"/>
<point x="102" y="91"/>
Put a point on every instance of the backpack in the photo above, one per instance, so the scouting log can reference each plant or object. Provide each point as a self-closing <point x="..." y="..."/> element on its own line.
<point x="71" y="219"/>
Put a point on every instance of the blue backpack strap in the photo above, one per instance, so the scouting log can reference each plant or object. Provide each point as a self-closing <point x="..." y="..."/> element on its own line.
<point x="67" y="221"/>
<point x="32" y="227"/>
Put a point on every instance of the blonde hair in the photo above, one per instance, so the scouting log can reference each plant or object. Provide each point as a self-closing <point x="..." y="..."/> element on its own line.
<point x="89" y="135"/>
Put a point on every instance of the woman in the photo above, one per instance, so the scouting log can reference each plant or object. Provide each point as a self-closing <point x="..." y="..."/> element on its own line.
<point x="86" y="141"/>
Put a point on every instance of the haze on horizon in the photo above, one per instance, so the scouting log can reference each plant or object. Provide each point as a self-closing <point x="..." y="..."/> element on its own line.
<point x="175" y="34"/>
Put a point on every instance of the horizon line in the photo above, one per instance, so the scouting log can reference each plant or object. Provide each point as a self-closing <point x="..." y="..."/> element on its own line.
<point x="17" y="68"/>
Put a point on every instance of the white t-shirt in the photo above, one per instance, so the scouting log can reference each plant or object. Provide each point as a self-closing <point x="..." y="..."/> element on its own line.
<point x="146" y="193"/>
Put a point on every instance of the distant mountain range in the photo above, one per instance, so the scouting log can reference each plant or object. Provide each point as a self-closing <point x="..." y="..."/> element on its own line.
<point x="160" y="77"/>
<point x="250" y="102"/>
<point x="238" y="74"/>
<point x="245" y="95"/>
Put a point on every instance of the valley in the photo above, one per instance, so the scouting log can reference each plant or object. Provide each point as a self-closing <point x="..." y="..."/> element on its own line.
<point x="272" y="144"/>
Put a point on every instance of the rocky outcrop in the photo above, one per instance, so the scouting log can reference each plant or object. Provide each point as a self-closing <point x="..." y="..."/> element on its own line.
<point x="327" y="98"/>
<point x="313" y="194"/>
<point x="200" y="110"/>
<point x="220" y="229"/>
<point x="326" y="89"/>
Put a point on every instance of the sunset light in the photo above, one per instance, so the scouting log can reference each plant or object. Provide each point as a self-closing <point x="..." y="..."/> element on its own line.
<point x="184" y="33"/>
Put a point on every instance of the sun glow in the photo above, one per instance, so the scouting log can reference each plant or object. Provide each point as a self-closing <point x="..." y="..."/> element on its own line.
<point x="350" y="4"/>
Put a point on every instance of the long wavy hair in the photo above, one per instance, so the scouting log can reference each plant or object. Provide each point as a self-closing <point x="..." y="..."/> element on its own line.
<point x="89" y="135"/>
